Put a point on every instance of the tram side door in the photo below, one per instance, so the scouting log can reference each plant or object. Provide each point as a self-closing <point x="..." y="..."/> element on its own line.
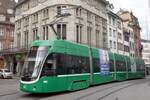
<point x="49" y="75"/>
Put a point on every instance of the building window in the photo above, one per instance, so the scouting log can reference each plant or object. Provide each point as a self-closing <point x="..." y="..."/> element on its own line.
<point x="34" y="3"/>
<point x="126" y="48"/>
<point x="110" y="44"/>
<point x="26" y="21"/>
<point x="126" y="38"/>
<point x="78" y="12"/>
<point x="45" y="13"/>
<point x="89" y="31"/>
<point x="35" y="34"/>
<point x="35" y="18"/>
<point x="18" y="40"/>
<point x="61" y="10"/>
<point x="11" y="45"/>
<point x="89" y="16"/>
<point x="114" y="33"/>
<point x="12" y="33"/>
<point x="79" y="33"/>
<point x="109" y="19"/>
<point x="1" y="31"/>
<point x="119" y="36"/>
<point x="19" y="24"/>
<point x="114" y="45"/>
<point x="120" y="46"/>
<point x="62" y="31"/>
<point x="26" y="37"/>
<point x="113" y="21"/>
<point x="97" y="38"/>
<point x="45" y="33"/>
<point x="1" y="47"/>
<point x="119" y="25"/>
<point x="110" y="32"/>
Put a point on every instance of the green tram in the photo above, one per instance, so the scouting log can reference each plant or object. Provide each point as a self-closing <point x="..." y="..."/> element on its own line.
<point x="59" y="65"/>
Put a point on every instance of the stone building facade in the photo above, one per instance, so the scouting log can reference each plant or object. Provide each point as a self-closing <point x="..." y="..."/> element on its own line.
<point x="132" y="21"/>
<point x="6" y="32"/>
<point x="87" y="23"/>
<point x="146" y="54"/>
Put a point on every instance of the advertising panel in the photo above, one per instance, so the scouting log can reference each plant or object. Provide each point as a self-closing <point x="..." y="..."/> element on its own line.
<point x="104" y="62"/>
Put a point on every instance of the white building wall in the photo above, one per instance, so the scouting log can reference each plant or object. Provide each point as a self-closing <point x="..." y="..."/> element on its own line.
<point x="87" y="6"/>
<point x="146" y="52"/>
<point x="111" y="35"/>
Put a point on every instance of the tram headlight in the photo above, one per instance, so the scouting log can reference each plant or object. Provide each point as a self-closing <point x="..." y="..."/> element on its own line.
<point x="34" y="88"/>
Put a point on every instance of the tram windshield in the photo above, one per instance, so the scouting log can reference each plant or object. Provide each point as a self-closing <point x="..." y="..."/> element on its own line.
<point x="32" y="64"/>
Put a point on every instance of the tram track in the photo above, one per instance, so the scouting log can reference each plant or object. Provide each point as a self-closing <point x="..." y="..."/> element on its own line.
<point x="112" y="89"/>
<point x="7" y="94"/>
<point x="101" y="93"/>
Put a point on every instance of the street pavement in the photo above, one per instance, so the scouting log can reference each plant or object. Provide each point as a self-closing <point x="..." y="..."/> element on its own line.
<point x="126" y="90"/>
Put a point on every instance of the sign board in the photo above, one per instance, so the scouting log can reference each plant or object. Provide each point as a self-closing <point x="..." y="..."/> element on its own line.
<point x="104" y="62"/>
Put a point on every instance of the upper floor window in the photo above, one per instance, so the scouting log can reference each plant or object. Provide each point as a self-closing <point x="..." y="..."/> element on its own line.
<point x="35" y="34"/>
<point x="119" y="25"/>
<point x="12" y="33"/>
<point x="11" y="45"/>
<point x="1" y="46"/>
<point x="33" y="3"/>
<point x="26" y="21"/>
<point x="114" y="45"/>
<point x="78" y="12"/>
<point x="89" y="16"/>
<point x="45" y="13"/>
<point x="110" y="32"/>
<point x="35" y="18"/>
<point x="89" y="33"/>
<point x="18" y="24"/>
<point x="2" y="18"/>
<point x="114" y="33"/>
<point x="26" y="37"/>
<point x="62" y="31"/>
<point x="61" y="10"/>
<point x="113" y="21"/>
<point x="110" y="44"/>
<point x="45" y="32"/>
<point x="18" y="40"/>
<point x="97" y="38"/>
<point x="119" y="36"/>
<point x="109" y="18"/>
<point x="79" y="33"/>
<point x="1" y="31"/>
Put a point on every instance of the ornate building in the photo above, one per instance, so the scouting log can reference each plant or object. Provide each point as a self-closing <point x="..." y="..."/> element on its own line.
<point x="6" y="32"/>
<point x="87" y="23"/>
<point x="132" y="21"/>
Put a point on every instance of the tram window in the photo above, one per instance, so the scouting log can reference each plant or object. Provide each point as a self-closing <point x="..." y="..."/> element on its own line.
<point x="61" y="64"/>
<point x="48" y="70"/>
<point x="111" y="64"/>
<point x="129" y="66"/>
<point x="120" y="66"/>
<point x="49" y="66"/>
<point x="85" y="65"/>
<point x="69" y="64"/>
<point x="96" y="65"/>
